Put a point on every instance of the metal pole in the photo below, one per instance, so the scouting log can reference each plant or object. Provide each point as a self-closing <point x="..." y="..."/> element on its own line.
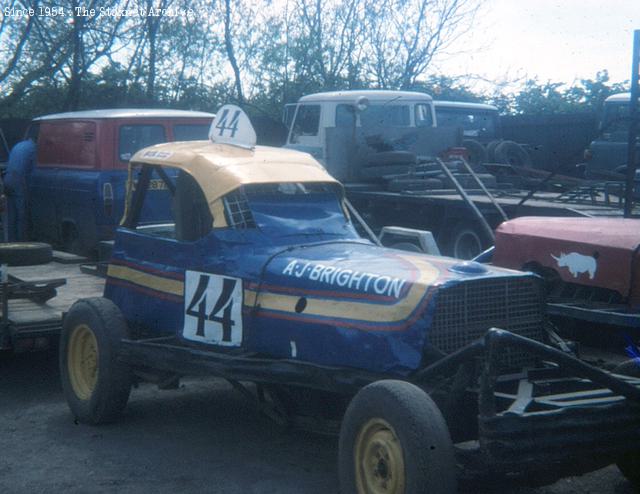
<point x="633" y="125"/>
<point x="363" y="223"/>
<point x="465" y="197"/>
<point x="484" y="189"/>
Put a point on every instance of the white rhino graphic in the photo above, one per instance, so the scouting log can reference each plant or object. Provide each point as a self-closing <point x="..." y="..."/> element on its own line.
<point x="577" y="263"/>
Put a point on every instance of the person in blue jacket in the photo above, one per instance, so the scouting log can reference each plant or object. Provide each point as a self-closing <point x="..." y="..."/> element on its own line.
<point x="16" y="185"/>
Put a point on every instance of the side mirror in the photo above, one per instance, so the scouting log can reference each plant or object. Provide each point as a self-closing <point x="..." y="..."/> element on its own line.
<point x="362" y="103"/>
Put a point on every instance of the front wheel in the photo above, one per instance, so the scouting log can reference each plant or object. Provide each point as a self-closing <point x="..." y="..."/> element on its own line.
<point x="95" y="383"/>
<point x="394" y="440"/>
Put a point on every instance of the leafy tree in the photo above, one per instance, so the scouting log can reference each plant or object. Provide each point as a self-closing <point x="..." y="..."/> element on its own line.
<point x="443" y="87"/>
<point x="555" y="97"/>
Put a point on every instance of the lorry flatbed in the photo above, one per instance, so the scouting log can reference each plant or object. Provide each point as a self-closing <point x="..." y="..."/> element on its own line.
<point x="542" y="204"/>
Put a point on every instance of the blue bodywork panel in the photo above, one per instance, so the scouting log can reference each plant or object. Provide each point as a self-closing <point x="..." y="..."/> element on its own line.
<point x="75" y="198"/>
<point x="301" y="284"/>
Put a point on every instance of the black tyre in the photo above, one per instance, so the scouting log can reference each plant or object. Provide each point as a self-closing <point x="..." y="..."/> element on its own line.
<point x="95" y="383"/>
<point x="477" y="152"/>
<point x="25" y="253"/>
<point x="629" y="464"/>
<point x="465" y="241"/>
<point x="491" y="150"/>
<point x="511" y="153"/>
<point x="394" y="440"/>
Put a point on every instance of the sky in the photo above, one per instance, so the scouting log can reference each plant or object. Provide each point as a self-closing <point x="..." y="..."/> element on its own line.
<point x="556" y="40"/>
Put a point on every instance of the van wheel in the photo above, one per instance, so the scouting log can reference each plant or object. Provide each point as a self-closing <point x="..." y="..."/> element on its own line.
<point x="25" y="253"/>
<point x="394" y="440"/>
<point x="95" y="383"/>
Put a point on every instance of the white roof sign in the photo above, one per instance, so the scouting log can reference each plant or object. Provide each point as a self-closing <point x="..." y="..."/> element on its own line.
<point x="232" y="126"/>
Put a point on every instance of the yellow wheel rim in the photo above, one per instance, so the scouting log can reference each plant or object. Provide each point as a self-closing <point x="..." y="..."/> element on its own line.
<point x="82" y="361"/>
<point x="378" y="459"/>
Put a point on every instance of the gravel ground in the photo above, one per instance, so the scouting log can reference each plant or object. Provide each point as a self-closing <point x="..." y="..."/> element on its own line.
<point x="203" y="437"/>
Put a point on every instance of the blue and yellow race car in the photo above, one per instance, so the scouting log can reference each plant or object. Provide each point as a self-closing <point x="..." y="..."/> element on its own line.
<point x="434" y="369"/>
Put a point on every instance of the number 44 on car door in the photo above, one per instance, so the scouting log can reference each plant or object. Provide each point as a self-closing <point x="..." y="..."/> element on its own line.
<point x="213" y="309"/>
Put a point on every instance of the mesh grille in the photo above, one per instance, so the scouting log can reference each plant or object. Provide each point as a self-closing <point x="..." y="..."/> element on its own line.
<point x="237" y="209"/>
<point x="466" y="311"/>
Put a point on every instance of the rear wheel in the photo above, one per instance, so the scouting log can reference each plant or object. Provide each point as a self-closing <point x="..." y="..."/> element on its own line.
<point x="95" y="383"/>
<point x="394" y="440"/>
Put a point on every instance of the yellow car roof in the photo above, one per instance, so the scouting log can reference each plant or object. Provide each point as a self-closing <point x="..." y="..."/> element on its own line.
<point x="222" y="168"/>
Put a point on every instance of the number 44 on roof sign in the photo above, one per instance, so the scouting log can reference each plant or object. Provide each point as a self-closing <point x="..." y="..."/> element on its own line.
<point x="232" y="126"/>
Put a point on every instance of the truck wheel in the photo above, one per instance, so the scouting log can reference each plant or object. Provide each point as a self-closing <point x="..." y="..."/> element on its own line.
<point x="477" y="152"/>
<point x="95" y="383"/>
<point x="25" y="253"/>
<point x="511" y="153"/>
<point x="465" y="241"/>
<point x="629" y="464"/>
<point x="394" y="440"/>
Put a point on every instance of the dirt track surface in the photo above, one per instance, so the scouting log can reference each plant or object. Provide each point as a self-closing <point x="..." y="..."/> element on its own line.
<point x="203" y="437"/>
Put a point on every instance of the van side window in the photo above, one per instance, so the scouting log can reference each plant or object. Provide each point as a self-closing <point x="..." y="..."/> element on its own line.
<point x="423" y="116"/>
<point x="132" y="138"/>
<point x="307" y="122"/>
<point x="191" y="132"/>
<point x="68" y="144"/>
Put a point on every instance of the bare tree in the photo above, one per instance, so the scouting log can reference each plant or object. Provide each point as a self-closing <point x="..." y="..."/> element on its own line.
<point x="329" y="40"/>
<point x="405" y="36"/>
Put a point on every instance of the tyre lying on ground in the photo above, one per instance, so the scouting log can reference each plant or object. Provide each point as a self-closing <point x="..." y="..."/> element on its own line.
<point x="25" y="253"/>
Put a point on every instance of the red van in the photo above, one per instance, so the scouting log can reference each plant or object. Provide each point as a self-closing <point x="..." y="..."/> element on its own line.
<point x="78" y="186"/>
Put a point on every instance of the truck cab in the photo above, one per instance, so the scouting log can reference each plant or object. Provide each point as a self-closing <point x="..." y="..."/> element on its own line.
<point x="322" y="123"/>
<point x="607" y="154"/>
<point x="478" y="121"/>
<point x="78" y="185"/>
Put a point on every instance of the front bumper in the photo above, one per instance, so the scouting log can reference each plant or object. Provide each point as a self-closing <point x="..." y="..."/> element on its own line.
<point x="566" y="417"/>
